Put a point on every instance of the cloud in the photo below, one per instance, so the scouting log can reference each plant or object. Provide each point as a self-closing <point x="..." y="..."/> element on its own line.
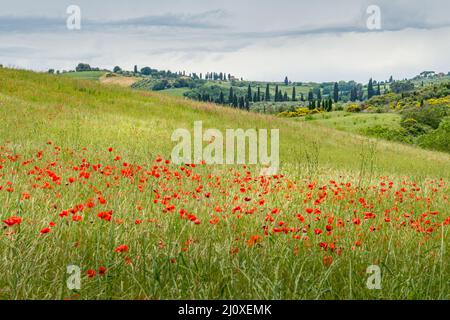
<point x="298" y="37"/>
<point x="30" y="24"/>
<point x="203" y="20"/>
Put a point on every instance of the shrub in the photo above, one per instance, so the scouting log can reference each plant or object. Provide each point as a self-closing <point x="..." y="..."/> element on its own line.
<point x="299" y="112"/>
<point x="413" y="127"/>
<point x="427" y="115"/>
<point x="353" y="108"/>
<point x="438" y="139"/>
<point x="161" y="85"/>
<point x="392" y="134"/>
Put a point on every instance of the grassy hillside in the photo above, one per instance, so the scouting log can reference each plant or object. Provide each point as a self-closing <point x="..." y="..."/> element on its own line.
<point x="81" y="113"/>
<point x="86" y="181"/>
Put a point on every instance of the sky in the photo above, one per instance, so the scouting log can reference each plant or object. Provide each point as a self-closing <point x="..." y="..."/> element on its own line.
<point x="321" y="40"/>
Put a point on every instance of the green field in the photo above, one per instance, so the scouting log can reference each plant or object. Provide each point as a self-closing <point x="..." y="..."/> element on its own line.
<point x="341" y="203"/>
<point x="175" y="92"/>
<point x="85" y="75"/>
<point x="353" y="122"/>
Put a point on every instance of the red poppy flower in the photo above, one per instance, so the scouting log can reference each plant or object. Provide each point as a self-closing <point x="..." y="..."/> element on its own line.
<point x="102" y="271"/>
<point x="45" y="230"/>
<point x="122" y="248"/>
<point x="91" y="273"/>
<point x="327" y="260"/>
<point x="13" y="221"/>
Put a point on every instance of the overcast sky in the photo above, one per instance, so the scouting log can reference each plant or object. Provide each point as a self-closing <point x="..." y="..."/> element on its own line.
<point x="321" y="40"/>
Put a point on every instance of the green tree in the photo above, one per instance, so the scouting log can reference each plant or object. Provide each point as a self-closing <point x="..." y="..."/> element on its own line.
<point x="294" y="94"/>
<point x="247" y="105"/>
<point x="353" y="94"/>
<point x="319" y="94"/>
<point x="146" y="71"/>
<point x="249" y="93"/>
<point x="241" y="102"/>
<point x="231" y="96"/>
<point x="370" y="91"/>
<point x="336" y="92"/>
<point x="310" y="96"/>
<point x="267" y="93"/>
<point x="286" y="81"/>
<point x="83" y="67"/>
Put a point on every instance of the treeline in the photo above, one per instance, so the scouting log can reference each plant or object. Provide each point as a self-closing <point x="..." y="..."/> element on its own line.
<point x="321" y="96"/>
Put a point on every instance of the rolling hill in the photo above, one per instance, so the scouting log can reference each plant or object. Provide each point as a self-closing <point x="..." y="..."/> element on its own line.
<point x="82" y="113"/>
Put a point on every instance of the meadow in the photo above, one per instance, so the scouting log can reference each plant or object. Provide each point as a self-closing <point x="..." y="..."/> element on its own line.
<point x="86" y="179"/>
<point x="353" y="122"/>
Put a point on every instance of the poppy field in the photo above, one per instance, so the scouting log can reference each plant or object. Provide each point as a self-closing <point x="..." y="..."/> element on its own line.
<point x="86" y="180"/>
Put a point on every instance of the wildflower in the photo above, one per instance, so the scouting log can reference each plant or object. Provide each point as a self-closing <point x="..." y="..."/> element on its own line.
<point x="122" y="248"/>
<point x="327" y="260"/>
<point x="91" y="273"/>
<point x="13" y="221"/>
<point x="102" y="271"/>
<point x="45" y="230"/>
<point x="254" y="240"/>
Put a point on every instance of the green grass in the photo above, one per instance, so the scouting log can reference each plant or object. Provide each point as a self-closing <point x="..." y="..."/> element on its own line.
<point x="175" y="92"/>
<point x="85" y="75"/>
<point x="354" y="122"/>
<point x="55" y="128"/>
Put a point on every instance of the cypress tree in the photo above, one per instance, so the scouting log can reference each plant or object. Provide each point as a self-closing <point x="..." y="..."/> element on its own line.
<point x="267" y="93"/>
<point x="336" y="92"/>
<point x="247" y="105"/>
<point x="258" y="96"/>
<point x="286" y="81"/>
<point x="235" y="101"/>
<point x="378" y="90"/>
<point x="249" y="93"/>
<point x="285" y="97"/>
<point x="241" y="102"/>
<point x="276" y="93"/>
<point x="294" y="94"/>
<point x="370" y="91"/>
<point x="353" y="94"/>
<point x="329" y="106"/>
<point x="310" y="96"/>
<point x="221" y="98"/>
<point x="231" y="96"/>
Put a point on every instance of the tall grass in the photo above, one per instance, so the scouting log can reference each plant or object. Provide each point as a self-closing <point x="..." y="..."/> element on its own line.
<point x="65" y="126"/>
